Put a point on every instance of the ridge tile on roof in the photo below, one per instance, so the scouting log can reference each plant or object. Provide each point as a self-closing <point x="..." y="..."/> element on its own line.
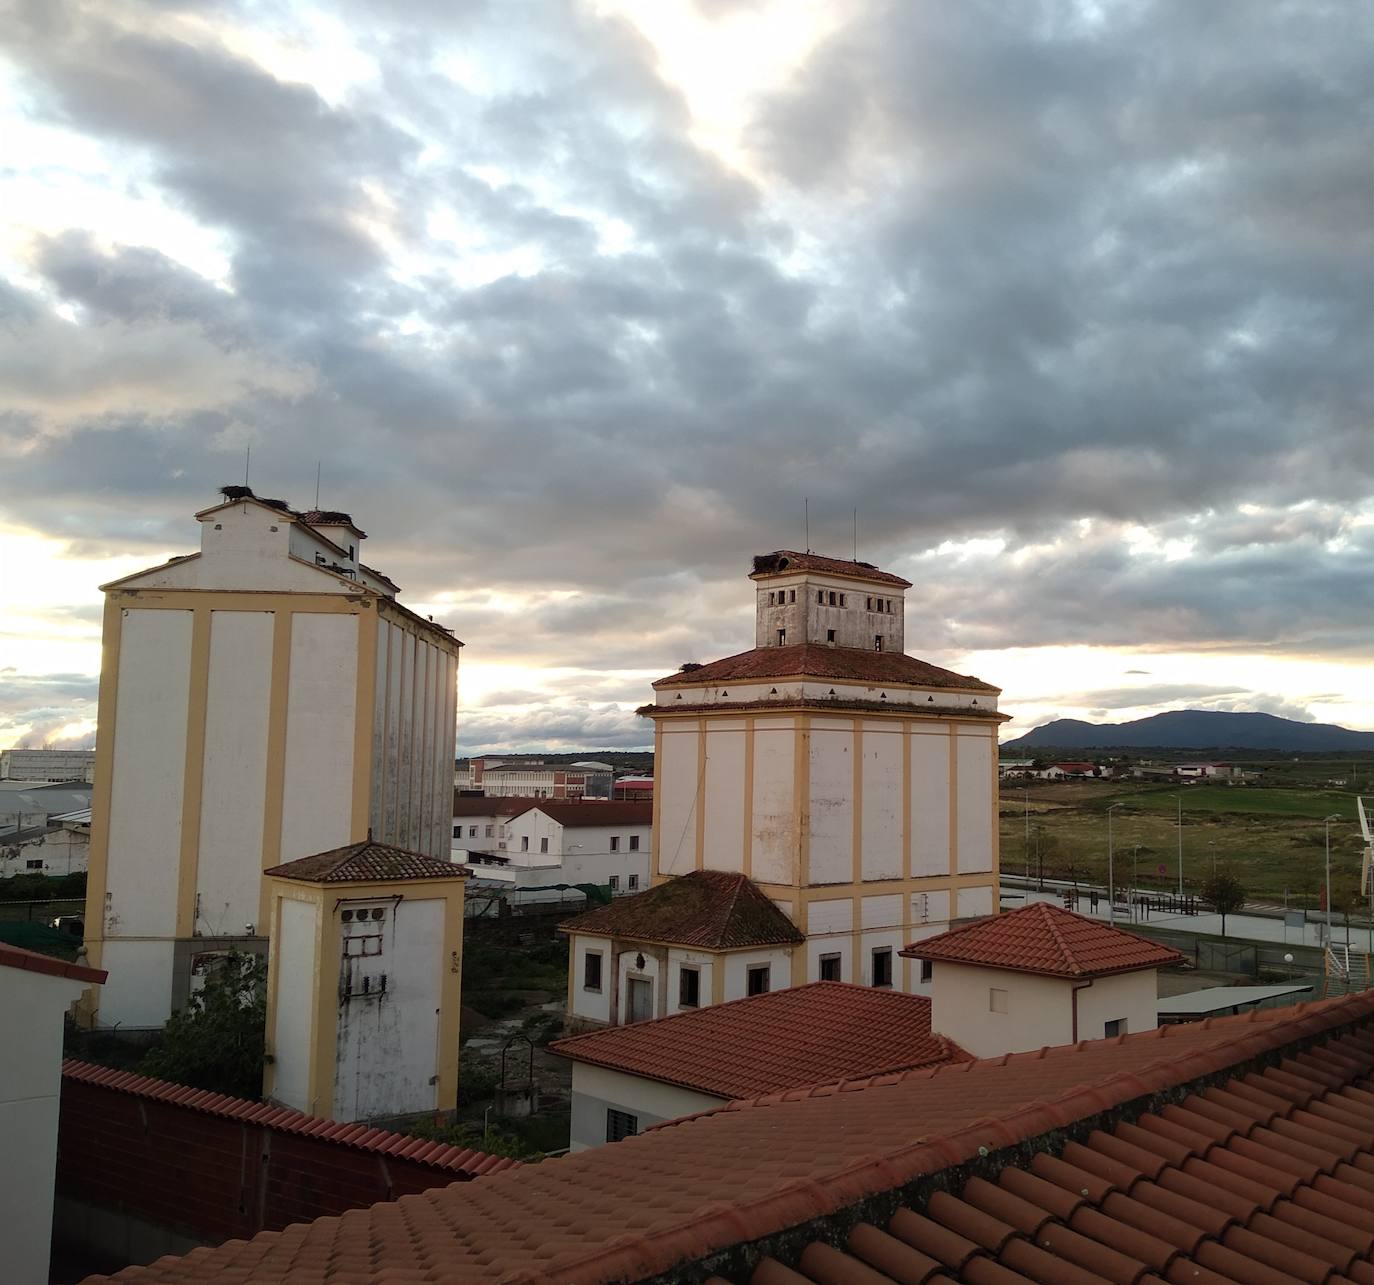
<point x="784" y="1039"/>
<point x="367" y="862"/>
<point x="713" y="909"/>
<point x="1046" y="939"/>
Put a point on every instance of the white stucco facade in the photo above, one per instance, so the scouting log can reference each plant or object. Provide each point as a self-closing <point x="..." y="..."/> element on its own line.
<point x="32" y="1006"/>
<point x="597" y="1091"/>
<point x="990" y="1011"/>
<point x="262" y="700"/>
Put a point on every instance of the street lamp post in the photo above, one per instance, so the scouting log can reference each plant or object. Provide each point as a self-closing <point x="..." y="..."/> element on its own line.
<point x="1180" y="846"/>
<point x="1326" y="822"/>
<point x="1027" y="843"/>
<point x="1111" y="882"/>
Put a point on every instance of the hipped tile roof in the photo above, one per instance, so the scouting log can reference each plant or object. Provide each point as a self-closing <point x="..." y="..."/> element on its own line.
<point x="1232" y="1149"/>
<point x="786" y="561"/>
<point x="823" y="1032"/>
<point x="1046" y="939"/>
<point x="461" y="1161"/>
<point x="367" y="862"/>
<point x="710" y="909"/>
<point x="837" y="664"/>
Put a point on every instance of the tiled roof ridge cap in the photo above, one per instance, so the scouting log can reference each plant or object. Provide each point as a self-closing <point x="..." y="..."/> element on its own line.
<point x="359" y="1136"/>
<point x="1052" y="923"/>
<point x="810" y="1198"/>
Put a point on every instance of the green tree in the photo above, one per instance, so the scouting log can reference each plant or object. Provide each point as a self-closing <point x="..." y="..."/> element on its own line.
<point x="1225" y="894"/>
<point x="219" y="1040"/>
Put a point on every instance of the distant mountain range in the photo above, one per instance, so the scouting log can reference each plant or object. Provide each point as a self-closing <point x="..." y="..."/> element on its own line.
<point x="1194" y="729"/>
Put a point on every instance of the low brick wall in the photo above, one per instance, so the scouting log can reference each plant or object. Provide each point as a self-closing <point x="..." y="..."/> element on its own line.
<point x="183" y="1166"/>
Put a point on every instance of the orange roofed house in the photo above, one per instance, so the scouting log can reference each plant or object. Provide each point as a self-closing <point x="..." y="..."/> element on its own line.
<point x="628" y="1078"/>
<point x="854" y="786"/>
<point x="1239" y="1149"/>
<point x="1038" y="976"/>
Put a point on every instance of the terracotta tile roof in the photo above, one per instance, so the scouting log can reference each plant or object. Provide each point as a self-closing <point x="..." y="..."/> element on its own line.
<point x="576" y="814"/>
<point x="1248" y="1139"/>
<point x="467" y="805"/>
<point x="786" y="1039"/>
<point x="787" y="561"/>
<point x="813" y="660"/>
<point x="360" y="1137"/>
<point x="707" y="908"/>
<point x="33" y="962"/>
<point x="1046" y="939"/>
<point x="367" y="862"/>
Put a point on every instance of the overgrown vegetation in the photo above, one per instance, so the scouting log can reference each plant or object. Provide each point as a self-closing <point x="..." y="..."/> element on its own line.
<point x="43" y="887"/>
<point x="218" y="1041"/>
<point x="500" y="978"/>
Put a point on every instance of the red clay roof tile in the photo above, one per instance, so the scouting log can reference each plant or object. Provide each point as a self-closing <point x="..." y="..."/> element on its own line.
<point x="1045" y="939"/>
<point x="32" y="961"/>
<point x="785" y="562"/>
<point x="711" y="909"/>
<point x="367" y="862"/>
<point x="786" y="1039"/>
<point x="733" y="1178"/>
<point x="585" y="812"/>
<point x="814" y="660"/>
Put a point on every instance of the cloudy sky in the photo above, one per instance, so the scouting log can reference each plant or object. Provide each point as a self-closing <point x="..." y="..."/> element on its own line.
<point x="575" y="300"/>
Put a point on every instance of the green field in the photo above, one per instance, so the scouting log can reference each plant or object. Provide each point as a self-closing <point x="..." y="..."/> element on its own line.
<point x="1273" y="840"/>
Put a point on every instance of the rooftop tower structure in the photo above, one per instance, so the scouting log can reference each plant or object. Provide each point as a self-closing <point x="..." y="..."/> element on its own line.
<point x="854" y="785"/>
<point x="260" y="700"/>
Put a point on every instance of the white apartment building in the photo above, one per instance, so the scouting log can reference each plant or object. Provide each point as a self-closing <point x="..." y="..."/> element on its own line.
<point x="261" y="700"/>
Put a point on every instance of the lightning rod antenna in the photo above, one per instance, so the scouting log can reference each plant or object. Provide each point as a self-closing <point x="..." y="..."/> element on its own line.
<point x="806" y="509"/>
<point x="317" y="482"/>
<point x="856" y="534"/>
<point x="247" y="460"/>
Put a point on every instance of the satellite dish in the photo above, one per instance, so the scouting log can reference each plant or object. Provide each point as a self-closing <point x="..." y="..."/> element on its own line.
<point x="1368" y="846"/>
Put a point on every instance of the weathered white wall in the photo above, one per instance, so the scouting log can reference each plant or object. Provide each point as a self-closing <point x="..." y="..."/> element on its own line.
<point x="386" y="1044"/>
<point x="676" y="782"/>
<point x="62" y="851"/>
<point x="973" y="903"/>
<point x="723" y="844"/>
<point x="807" y="620"/>
<point x="881" y="833"/>
<point x="977" y="782"/>
<point x="593" y="1006"/>
<point x="773" y="825"/>
<point x="596" y="1089"/>
<point x="293" y="963"/>
<point x="832" y="801"/>
<point x="32" y="1006"/>
<point x="1133" y="996"/>
<point x="143" y="998"/>
<point x="703" y="962"/>
<point x="234" y="775"/>
<point x="1039" y="1011"/>
<point x="930" y="820"/>
<point x="149" y="767"/>
<point x="830" y="931"/>
<point x="317" y="791"/>
<point x="737" y="965"/>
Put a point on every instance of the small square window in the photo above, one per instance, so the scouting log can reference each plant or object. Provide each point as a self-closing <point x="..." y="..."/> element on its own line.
<point x="634" y="843"/>
<point x="782" y="637"/>
<point x="927" y="970"/>
<point x="1117" y="1026"/>
<point x="997" y="1000"/>
<point x="524" y="843"/>
<point x="758" y="980"/>
<point x="830" y="968"/>
<point x="841" y="600"/>
<point x="832" y="597"/>
<point x="34" y="863"/>
<point x="633" y="882"/>
<point x="688" y="987"/>
<point x="614" y="881"/>
<point x="543" y="845"/>
<point x="877" y="642"/>
<point x="472" y="832"/>
<point x="620" y="1124"/>
<point x="772" y="599"/>
<point x="820" y="597"/>
<point x="615" y="843"/>
<point x="489" y="830"/>
<point x="591" y="971"/>
<point x="882" y="966"/>
<point x="830" y="635"/>
<point x="457" y="831"/>
<point x="791" y="595"/>
<point x="868" y="603"/>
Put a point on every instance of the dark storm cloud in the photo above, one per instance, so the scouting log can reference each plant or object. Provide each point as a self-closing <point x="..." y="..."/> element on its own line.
<point x="994" y="269"/>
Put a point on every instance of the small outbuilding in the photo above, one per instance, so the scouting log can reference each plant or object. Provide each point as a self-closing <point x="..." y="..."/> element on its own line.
<point x="1040" y="976"/>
